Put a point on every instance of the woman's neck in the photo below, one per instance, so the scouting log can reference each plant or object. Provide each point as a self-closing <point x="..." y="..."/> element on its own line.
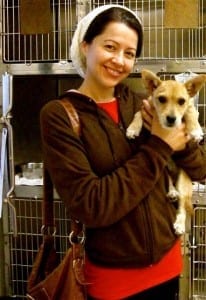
<point x="99" y="95"/>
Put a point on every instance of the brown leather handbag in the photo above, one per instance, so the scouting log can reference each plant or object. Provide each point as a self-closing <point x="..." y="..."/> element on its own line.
<point x="49" y="278"/>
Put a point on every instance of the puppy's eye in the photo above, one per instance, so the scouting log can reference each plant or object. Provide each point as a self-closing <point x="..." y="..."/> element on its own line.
<point x="162" y="99"/>
<point x="181" y="101"/>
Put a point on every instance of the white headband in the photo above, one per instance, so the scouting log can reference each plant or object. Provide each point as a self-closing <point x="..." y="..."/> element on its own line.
<point x="82" y="27"/>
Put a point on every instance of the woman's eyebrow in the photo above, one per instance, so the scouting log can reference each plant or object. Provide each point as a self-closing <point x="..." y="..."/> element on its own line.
<point x="116" y="42"/>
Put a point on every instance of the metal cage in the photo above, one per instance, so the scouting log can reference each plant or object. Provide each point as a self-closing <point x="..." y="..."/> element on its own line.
<point x="168" y="49"/>
<point x="161" y="40"/>
<point x="198" y="254"/>
<point x="20" y="250"/>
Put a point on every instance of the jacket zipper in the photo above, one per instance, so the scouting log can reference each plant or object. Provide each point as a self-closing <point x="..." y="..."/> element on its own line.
<point x="149" y="241"/>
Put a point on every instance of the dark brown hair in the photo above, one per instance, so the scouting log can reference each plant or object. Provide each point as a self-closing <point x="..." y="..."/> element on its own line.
<point x="115" y="14"/>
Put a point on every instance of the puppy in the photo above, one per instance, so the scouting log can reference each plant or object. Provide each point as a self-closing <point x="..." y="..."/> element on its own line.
<point x="173" y="103"/>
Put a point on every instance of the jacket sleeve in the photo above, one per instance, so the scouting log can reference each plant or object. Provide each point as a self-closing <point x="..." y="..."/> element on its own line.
<point x="192" y="160"/>
<point x="94" y="200"/>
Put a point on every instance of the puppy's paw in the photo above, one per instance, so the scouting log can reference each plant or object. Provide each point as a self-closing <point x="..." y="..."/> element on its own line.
<point x="135" y="126"/>
<point x="173" y="195"/>
<point x="132" y="133"/>
<point x="197" y="134"/>
<point x="179" y="225"/>
<point x="179" y="229"/>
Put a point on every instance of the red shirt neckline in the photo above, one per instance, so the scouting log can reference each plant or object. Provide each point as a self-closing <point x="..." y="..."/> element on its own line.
<point x="111" y="107"/>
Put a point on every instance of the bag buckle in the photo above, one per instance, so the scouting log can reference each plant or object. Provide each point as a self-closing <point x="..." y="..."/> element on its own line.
<point x="48" y="230"/>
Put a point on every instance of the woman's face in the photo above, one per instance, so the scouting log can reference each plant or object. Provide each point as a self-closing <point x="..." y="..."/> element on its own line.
<point x="111" y="55"/>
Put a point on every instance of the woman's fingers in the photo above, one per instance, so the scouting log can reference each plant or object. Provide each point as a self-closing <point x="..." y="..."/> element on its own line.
<point x="147" y="114"/>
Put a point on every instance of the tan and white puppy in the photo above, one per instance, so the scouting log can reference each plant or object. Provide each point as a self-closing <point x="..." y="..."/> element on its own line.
<point x="173" y="102"/>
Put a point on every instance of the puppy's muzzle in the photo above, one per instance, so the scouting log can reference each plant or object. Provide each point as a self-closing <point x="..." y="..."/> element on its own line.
<point x="170" y="120"/>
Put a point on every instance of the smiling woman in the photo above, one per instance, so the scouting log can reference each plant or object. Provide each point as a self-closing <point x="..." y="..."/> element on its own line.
<point x="111" y="56"/>
<point x="114" y="185"/>
<point x="90" y="27"/>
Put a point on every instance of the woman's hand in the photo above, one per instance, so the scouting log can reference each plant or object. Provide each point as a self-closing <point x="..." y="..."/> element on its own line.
<point x="147" y="114"/>
<point x="175" y="137"/>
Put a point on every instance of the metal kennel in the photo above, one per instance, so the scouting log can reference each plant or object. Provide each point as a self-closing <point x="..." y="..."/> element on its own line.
<point x="36" y="66"/>
<point x="20" y="250"/>
<point x="198" y="254"/>
<point x="45" y="37"/>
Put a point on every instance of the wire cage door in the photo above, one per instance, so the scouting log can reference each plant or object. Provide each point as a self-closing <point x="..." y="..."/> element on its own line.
<point x="41" y="31"/>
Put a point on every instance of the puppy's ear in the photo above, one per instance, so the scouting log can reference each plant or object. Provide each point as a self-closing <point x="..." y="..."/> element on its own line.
<point x="195" y="84"/>
<point x="150" y="80"/>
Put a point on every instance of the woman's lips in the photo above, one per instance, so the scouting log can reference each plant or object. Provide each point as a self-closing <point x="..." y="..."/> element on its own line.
<point x="114" y="72"/>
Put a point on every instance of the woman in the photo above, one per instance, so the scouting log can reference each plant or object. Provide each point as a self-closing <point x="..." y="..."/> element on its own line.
<point x="117" y="187"/>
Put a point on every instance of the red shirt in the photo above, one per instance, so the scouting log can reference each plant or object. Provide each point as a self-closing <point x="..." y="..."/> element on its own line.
<point x="111" y="108"/>
<point x="117" y="283"/>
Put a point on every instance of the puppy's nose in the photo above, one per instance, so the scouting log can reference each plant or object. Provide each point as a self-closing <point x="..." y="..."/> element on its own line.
<point x="171" y="120"/>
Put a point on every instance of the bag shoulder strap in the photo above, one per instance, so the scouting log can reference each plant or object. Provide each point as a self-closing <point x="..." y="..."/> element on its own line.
<point x="72" y="114"/>
<point x="77" y="228"/>
<point x="48" y="209"/>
